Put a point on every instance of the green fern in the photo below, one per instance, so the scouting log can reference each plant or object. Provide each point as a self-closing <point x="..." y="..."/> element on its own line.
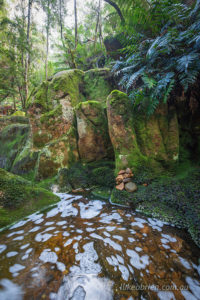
<point x="153" y="66"/>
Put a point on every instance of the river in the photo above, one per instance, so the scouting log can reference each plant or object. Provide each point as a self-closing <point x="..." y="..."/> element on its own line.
<point x="87" y="249"/>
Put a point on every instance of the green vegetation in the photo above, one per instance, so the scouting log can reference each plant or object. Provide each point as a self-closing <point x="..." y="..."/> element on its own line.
<point x="19" y="198"/>
<point x="171" y="199"/>
<point x="162" y="51"/>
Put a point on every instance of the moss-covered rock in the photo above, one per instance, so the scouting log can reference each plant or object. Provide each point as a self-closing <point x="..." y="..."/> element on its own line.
<point x="66" y="83"/>
<point x="60" y="153"/>
<point x="96" y="174"/>
<point x="19" y="113"/>
<point x="93" y="138"/>
<point x="98" y="84"/>
<point x="140" y="141"/>
<point x="172" y="199"/>
<point x="13" y="138"/>
<point x="19" y="197"/>
<point x="122" y="132"/>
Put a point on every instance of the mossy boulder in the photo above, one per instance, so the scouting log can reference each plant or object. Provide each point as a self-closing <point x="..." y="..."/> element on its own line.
<point x="98" y="174"/>
<point x="60" y="153"/>
<point x="26" y="160"/>
<point x="19" y="113"/>
<point x="13" y="137"/>
<point x="50" y="108"/>
<point x="122" y="132"/>
<point x="93" y="138"/>
<point x="98" y="84"/>
<point x="19" y="197"/>
<point x="140" y="141"/>
<point x="66" y="83"/>
<point x="53" y="124"/>
<point x="158" y="136"/>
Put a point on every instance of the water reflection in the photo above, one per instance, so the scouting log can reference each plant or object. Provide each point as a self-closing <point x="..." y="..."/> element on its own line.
<point x="86" y="249"/>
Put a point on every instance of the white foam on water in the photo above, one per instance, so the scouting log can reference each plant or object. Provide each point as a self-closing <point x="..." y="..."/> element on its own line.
<point x="2" y="248"/>
<point x="169" y="238"/>
<point x="24" y="246"/>
<point x="34" y="229"/>
<point x="124" y="271"/>
<point x="91" y="209"/>
<point x="11" y="254"/>
<point x="10" y="291"/>
<point x="19" y="224"/>
<point x="43" y="237"/>
<point x="18" y="238"/>
<point x="194" y="286"/>
<point x="166" y="295"/>
<point x="118" y="237"/>
<point x="112" y="244"/>
<point x="136" y="261"/>
<point x="15" y="232"/>
<point x="48" y="256"/>
<point x="16" y="268"/>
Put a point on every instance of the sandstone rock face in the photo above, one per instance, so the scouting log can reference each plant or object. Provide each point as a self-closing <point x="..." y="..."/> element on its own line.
<point x="139" y="141"/>
<point x="60" y="153"/>
<point x="93" y="138"/>
<point x="122" y="132"/>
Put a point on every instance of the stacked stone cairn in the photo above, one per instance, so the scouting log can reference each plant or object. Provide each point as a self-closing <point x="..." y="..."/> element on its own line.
<point x="124" y="181"/>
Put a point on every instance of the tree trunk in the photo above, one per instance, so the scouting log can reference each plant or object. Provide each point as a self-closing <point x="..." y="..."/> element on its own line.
<point x="30" y="2"/>
<point x="76" y="24"/>
<point x="47" y="41"/>
<point x="61" y="24"/>
<point x="113" y="4"/>
<point x="97" y="24"/>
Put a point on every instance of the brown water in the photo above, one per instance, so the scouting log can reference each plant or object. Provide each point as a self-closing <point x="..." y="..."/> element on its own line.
<point x="87" y="249"/>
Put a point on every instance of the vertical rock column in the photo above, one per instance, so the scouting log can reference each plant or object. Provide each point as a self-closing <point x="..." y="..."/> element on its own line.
<point x="122" y="133"/>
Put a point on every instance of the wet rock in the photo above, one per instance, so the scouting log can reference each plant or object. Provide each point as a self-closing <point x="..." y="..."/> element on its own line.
<point x="121" y="172"/>
<point x="130" y="187"/>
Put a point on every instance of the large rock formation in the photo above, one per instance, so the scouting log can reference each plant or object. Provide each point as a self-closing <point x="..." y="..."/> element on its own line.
<point x="67" y="123"/>
<point x="140" y="141"/>
<point x="57" y="120"/>
<point x="93" y="138"/>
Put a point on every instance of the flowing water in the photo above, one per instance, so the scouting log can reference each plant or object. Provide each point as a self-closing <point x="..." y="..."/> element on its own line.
<point x="88" y="249"/>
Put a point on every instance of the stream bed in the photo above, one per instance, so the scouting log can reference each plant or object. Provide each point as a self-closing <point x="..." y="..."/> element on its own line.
<point x="83" y="249"/>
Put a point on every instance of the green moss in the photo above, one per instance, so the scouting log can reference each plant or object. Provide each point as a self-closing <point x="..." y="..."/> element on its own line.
<point x="57" y="112"/>
<point x="40" y="96"/>
<point x="118" y="97"/>
<point x="102" y="193"/>
<point x="4" y="121"/>
<point x="103" y="176"/>
<point x="172" y="199"/>
<point x="97" y="85"/>
<point x="19" y="113"/>
<point x="19" y="197"/>
<point x="12" y="140"/>
<point x="99" y="173"/>
<point x="66" y="83"/>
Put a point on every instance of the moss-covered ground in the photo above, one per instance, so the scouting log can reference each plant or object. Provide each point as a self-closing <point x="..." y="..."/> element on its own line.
<point x="19" y="198"/>
<point x="173" y="199"/>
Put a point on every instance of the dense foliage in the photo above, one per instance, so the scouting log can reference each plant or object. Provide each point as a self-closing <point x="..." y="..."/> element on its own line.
<point x="166" y="56"/>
